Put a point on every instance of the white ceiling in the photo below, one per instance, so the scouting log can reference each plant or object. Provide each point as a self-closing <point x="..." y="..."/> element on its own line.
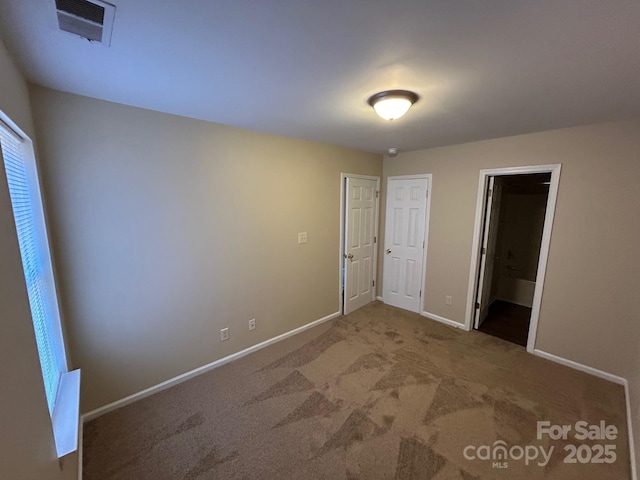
<point x="305" y="68"/>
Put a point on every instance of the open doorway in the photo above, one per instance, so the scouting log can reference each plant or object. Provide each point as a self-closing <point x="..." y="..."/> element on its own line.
<point x="515" y="237"/>
<point x="513" y="230"/>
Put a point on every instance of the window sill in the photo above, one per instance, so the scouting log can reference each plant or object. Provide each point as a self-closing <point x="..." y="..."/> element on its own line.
<point x="66" y="414"/>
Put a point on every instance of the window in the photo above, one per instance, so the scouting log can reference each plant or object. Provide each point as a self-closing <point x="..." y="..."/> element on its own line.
<point x="60" y="385"/>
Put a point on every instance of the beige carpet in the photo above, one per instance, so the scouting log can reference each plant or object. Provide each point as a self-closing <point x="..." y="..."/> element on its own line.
<point x="379" y="394"/>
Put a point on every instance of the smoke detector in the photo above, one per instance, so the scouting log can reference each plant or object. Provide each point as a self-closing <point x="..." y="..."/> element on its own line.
<point x="392" y="152"/>
<point x="92" y="20"/>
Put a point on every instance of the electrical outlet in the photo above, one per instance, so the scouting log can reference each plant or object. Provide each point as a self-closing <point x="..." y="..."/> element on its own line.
<point x="302" y="237"/>
<point x="448" y="300"/>
<point x="252" y="324"/>
<point x="224" y="334"/>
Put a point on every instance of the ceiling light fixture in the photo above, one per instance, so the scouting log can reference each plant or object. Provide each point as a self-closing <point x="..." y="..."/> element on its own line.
<point x="392" y="104"/>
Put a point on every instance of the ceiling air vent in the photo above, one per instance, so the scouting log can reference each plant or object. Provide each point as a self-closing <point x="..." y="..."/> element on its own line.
<point x="92" y="20"/>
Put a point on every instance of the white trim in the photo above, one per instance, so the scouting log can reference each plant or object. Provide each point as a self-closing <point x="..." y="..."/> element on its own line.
<point x="200" y="370"/>
<point x="632" y="448"/>
<point x="446" y="321"/>
<point x="408" y="177"/>
<point x="554" y="170"/>
<point x="544" y="256"/>
<point x="427" y="221"/>
<point x="343" y="182"/>
<point x="80" y="449"/>
<point x="379" y="299"/>
<point x="579" y="366"/>
<point x="605" y="376"/>
<point x="343" y="178"/>
<point x="357" y="175"/>
<point x="66" y="413"/>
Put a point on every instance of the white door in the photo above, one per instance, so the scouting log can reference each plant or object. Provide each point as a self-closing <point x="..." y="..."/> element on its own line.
<point x="360" y="231"/>
<point x="488" y="253"/>
<point x="405" y="241"/>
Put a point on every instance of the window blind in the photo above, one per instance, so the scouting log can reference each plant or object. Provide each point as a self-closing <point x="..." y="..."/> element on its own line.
<point x="27" y="212"/>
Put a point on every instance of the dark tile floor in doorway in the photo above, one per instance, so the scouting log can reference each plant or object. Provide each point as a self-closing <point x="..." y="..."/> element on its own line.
<point x="508" y="321"/>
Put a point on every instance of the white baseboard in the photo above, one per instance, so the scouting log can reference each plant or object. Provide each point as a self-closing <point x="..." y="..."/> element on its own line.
<point x="200" y="370"/>
<point x="632" y="448"/>
<point x="440" y="319"/>
<point x="606" y="376"/>
<point x="579" y="366"/>
<point x="380" y="299"/>
<point x="80" y="450"/>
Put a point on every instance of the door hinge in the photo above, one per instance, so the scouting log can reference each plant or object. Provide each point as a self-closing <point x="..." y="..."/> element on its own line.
<point x="490" y="192"/>
<point x="373" y="283"/>
<point x="477" y="305"/>
<point x="484" y="250"/>
<point x="423" y="244"/>
<point x="420" y="293"/>
<point x="427" y="195"/>
<point x="377" y="193"/>
<point x="375" y="239"/>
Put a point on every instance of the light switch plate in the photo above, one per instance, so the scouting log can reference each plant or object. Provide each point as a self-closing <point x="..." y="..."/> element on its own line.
<point x="224" y="334"/>
<point x="302" y="237"/>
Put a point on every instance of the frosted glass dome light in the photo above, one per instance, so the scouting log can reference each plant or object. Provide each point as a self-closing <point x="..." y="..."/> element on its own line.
<point x="392" y="104"/>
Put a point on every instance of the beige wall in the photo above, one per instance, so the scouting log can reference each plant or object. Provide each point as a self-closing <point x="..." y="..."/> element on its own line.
<point x="27" y="449"/>
<point x="589" y="310"/>
<point x="169" y="229"/>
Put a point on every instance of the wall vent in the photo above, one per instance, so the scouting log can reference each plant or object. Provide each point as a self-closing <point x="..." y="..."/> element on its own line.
<point x="92" y="20"/>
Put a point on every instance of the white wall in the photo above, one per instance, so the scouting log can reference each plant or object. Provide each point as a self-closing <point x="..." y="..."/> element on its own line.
<point x="169" y="229"/>
<point x="27" y="449"/>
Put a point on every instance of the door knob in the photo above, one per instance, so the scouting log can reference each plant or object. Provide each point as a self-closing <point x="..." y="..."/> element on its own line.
<point x="348" y="255"/>
<point x="388" y="251"/>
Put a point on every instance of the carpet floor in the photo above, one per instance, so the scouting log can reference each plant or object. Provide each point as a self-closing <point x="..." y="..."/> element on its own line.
<point x="379" y="394"/>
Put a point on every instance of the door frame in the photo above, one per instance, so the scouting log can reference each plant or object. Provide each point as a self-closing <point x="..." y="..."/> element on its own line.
<point x="343" y="231"/>
<point x="427" y="218"/>
<point x="554" y="170"/>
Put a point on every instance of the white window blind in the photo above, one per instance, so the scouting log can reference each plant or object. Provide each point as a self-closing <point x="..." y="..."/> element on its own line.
<point x="36" y="261"/>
